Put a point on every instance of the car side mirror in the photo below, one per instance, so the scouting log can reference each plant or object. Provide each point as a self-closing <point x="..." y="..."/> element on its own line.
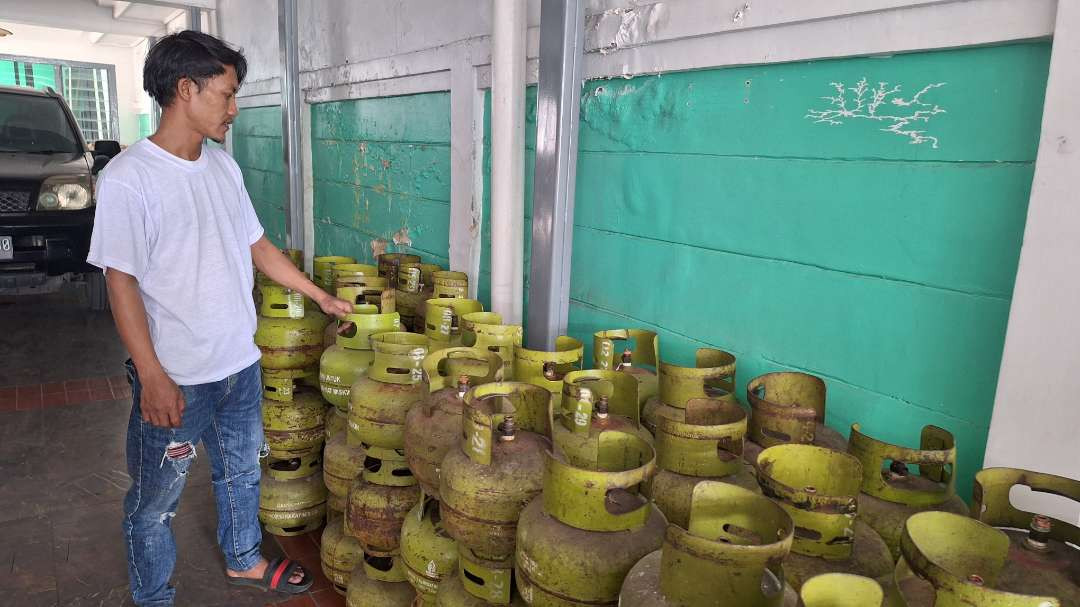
<point x="107" y="147"/>
<point x="100" y="160"/>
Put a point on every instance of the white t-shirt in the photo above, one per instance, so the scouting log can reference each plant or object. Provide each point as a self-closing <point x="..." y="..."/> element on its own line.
<point x="184" y="230"/>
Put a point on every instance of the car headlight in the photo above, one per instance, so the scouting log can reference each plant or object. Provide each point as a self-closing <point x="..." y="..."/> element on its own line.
<point x="65" y="193"/>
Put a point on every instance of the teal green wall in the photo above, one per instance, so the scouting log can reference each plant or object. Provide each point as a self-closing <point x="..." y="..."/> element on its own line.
<point x="257" y="148"/>
<point x="381" y="165"/>
<point x="713" y="208"/>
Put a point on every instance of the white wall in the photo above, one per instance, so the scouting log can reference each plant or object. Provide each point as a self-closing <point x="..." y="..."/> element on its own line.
<point x="52" y="43"/>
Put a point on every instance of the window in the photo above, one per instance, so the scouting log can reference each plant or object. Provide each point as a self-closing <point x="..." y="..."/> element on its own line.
<point x="88" y="88"/>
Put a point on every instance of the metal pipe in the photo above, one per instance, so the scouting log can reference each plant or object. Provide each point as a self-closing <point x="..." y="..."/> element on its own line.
<point x="562" y="32"/>
<point x="508" y="158"/>
<point x="289" y="41"/>
<point x="195" y="19"/>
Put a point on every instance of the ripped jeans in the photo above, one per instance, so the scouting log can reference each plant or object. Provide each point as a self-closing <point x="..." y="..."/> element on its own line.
<point x="227" y="416"/>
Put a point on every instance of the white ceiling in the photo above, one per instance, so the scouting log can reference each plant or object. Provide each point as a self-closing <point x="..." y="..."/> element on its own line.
<point x="112" y="22"/>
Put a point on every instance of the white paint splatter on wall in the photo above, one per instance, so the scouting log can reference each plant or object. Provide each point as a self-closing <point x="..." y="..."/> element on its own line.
<point x="863" y="101"/>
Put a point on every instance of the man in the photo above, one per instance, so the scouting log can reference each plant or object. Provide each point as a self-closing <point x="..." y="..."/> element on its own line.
<point x="176" y="235"/>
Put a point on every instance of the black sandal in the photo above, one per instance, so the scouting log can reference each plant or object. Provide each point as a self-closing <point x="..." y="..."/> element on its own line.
<point x="276" y="578"/>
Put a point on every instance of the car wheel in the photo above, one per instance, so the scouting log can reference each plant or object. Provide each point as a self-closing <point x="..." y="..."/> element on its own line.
<point x="97" y="294"/>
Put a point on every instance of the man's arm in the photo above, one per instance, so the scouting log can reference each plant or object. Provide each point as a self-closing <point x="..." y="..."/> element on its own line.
<point x="281" y="270"/>
<point x="161" y="401"/>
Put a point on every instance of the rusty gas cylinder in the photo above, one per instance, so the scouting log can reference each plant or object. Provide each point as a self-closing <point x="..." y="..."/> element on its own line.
<point x="594" y="402"/>
<point x="819" y="487"/>
<point x="339" y="553"/>
<point x="379" y="501"/>
<point x="294" y="467"/>
<point x="712" y="376"/>
<point x="428" y="553"/>
<point x="788" y="407"/>
<point x="337" y="422"/>
<point x="289" y="329"/>
<point x="729" y="554"/>
<point x="479" y="582"/>
<point x="547" y="369"/>
<point x="632" y="351"/>
<point x="390" y="262"/>
<point x="898" y="482"/>
<point x="412" y="287"/>
<point x="342" y="465"/>
<point x="380" y="399"/>
<point x="349" y="274"/>
<point x="292" y="507"/>
<point x="578" y="540"/>
<point x="485" y="330"/>
<point x="351" y="355"/>
<point x="433" y="424"/>
<point x="706" y="445"/>
<point x="948" y="559"/>
<point x="294" y="415"/>
<point x="1043" y="554"/>
<point x="443" y="320"/>
<point x="498" y="467"/>
<point x="323" y="268"/>
<point x="379" y="581"/>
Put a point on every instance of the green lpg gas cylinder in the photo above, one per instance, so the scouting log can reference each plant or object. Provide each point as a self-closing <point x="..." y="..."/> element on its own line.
<point x="788" y="407"/>
<point x="292" y="507"/>
<point x="379" y="501"/>
<point x="706" y="445"/>
<point x="594" y="402"/>
<point x="379" y="581"/>
<point x="428" y="553"/>
<point x="485" y="330"/>
<point x="579" y="539"/>
<point x="433" y="424"/>
<point x="289" y="329"/>
<point x="730" y="555"/>
<point x="351" y="355"/>
<point x="443" y="320"/>
<point x="294" y="415"/>
<point x="819" y="487"/>
<point x="898" y="481"/>
<point x="380" y="399"/>
<point x="632" y="351"/>
<point x="547" y="369"/>
<point x="712" y="376"/>
<point x="339" y="553"/>
<point x="498" y="467"/>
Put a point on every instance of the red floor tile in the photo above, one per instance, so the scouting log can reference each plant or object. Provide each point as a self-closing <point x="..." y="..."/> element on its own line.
<point x="28" y="397"/>
<point x="54" y="388"/>
<point x="298" y="546"/>
<point x="328" y="598"/>
<point x="53" y="400"/>
<point x="76" y="384"/>
<point x="77" y="397"/>
<point x="117" y="381"/>
<point x="122" y="393"/>
<point x="101" y="393"/>
<point x="6" y="393"/>
<point x="8" y="404"/>
<point x="299" y="601"/>
<point x="98" y="383"/>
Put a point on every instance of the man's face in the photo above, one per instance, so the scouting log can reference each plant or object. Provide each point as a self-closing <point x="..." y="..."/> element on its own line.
<point x="211" y="109"/>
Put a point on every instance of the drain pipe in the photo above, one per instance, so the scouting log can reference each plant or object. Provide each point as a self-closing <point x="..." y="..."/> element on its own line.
<point x="508" y="158"/>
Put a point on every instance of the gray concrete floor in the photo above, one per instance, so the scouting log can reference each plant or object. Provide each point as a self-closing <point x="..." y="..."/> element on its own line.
<point x="63" y="476"/>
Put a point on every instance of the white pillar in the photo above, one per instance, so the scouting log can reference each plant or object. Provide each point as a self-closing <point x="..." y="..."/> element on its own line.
<point x="508" y="158"/>
<point x="1036" y="414"/>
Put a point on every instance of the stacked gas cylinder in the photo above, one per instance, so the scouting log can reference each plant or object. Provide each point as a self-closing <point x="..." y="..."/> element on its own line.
<point x="471" y="471"/>
<point x="290" y="335"/>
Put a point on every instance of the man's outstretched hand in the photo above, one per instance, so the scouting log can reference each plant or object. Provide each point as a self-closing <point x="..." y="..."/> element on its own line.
<point x="336" y="307"/>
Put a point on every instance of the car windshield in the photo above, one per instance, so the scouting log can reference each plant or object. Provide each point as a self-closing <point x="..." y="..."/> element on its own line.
<point x="35" y="125"/>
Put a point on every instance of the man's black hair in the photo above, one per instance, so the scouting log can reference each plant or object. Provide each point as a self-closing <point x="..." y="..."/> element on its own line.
<point x="187" y="54"/>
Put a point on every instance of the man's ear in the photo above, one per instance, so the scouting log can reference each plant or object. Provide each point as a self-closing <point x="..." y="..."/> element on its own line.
<point x="186" y="88"/>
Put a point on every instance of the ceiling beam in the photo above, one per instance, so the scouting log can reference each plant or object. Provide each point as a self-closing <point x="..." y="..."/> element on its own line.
<point x="119" y="9"/>
<point x="85" y="16"/>
<point x="203" y="4"/>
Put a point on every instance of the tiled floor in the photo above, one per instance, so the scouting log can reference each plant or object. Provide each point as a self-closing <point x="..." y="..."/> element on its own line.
<point x="63" y="416"/>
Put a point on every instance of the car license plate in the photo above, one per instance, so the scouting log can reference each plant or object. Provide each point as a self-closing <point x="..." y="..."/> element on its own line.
<point x="6" y="250"/>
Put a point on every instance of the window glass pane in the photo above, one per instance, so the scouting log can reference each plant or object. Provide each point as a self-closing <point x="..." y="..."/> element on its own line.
<point x="29" y="123"/>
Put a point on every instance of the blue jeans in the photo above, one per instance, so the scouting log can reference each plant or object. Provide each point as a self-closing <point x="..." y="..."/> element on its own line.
<point x="227" y="416"/>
